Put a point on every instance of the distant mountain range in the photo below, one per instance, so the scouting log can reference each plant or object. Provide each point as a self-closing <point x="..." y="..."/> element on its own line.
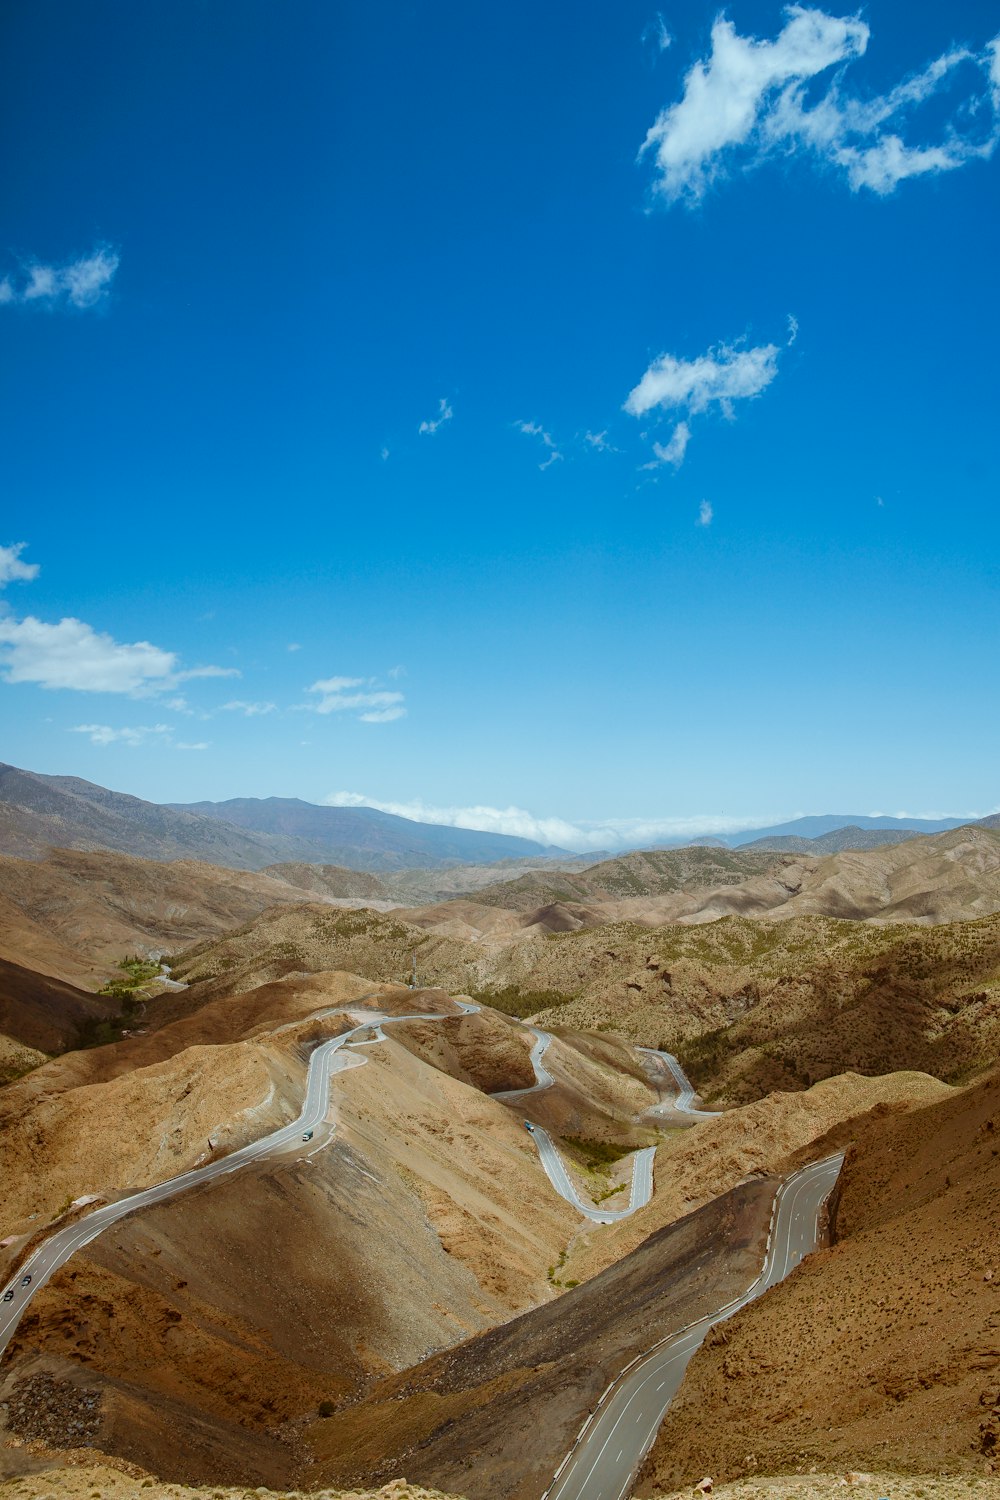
<point x="818" y="827"/>
<point x="249" y="833"/>
<point x="42" y="812"/>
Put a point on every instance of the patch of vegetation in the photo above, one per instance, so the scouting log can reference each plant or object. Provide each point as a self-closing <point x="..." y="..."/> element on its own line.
<point x="515" y="1001"/>
<point x="135" y="972"/>
<point x="597" y="1156"/>
<point x="702" y="1056"/>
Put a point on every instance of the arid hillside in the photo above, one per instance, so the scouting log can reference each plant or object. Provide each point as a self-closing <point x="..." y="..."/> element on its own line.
<point x="751" y="1006"/>
<point x="236" y="1310"/>
<point x="45" y="1013"/>
<point x="882" y="1352"/>
<point x="74" y="914"/>
<point x="946" y="877"/>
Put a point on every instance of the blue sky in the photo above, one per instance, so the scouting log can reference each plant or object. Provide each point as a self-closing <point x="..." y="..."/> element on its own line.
<point x="573" y="420"/>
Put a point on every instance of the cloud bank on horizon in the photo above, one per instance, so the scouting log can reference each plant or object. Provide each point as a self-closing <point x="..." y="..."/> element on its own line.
<point x="751" y="100"/>
<point x="611" y="833"/>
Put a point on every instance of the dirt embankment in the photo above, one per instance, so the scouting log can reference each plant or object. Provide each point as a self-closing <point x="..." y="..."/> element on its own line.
<point x="882" y="1352"/>
<point x="235" y="1310"/>
<point x="100" y="1482"/>
<point x="695" y="1165"/>
<point x="495" y="1416"/>
<point x="75" y="914"/>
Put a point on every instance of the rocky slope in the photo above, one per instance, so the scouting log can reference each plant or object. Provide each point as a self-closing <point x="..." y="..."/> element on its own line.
<point x="882" y="1352"/>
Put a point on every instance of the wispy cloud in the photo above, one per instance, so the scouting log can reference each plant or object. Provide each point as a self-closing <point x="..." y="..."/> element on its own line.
<point x="656" y="34"/>
<point x="12" y="568"/>
<point x="721" y="377"/>
<point x="532" y="429"/>
<point x="672" y="452"/>
<point x="248" y="710"/>
<point x="198" y="745"/>
<point x="445" y="414"/>
<point x="705" y="513"/>
<point x="104" y="734"/>
<point x="750" y="99"/>
<point x="371" y="705"/>
<point x="599" y="441"/>
<point x="81" y="283"/>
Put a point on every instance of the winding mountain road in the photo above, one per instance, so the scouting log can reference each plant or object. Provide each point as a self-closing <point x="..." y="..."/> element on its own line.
<point x="607" y="1455"/>
<point x="54" y="1252"/>
<point x="327" y="1059"/>
<point x="543" y="1078"/>
<point x="665" y="1063"/>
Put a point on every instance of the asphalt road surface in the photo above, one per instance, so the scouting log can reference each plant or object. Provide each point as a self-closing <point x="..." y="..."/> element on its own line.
<point x="665" y="1064"/>
<point x="57" y="1249"/>
<point x="642" y="1180"/>
<point x="543" y="1078"/>
<point x="606" y="1457"/>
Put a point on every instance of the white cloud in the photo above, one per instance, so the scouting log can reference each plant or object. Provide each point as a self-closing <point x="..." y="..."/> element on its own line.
<point x="200" y="745"/>
<point x="612" y="833"/>
<point x="532" y="429"/>
<point x="657" y="33"/>
<point x="293" y="646"/>
<point x="73" y="655"/>
<point x="512" y="820"/>
<point x="81" y="284"/>
<point x="705" y="513"/>
<point x="723" y="375"/>
<point x="103" y="734"/>
<point x="445" y="414"/>
<point x="249" y="710"/>
<point x="672" y="452"/>
<point x="793" y="329"/>
<point x="599" y="442"/>
<point x="12" y="569"/>
<point x="339" y="695"/>
<point x="383" y="715"/>
<point x="755" y="95"/>
<point x="384" y="452"/>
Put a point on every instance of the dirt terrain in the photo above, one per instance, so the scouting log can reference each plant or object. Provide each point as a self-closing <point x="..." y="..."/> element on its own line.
<point x="495" y="1416"/>
<point x="44" y="1013"/>
<point x="127" y="1482"/>
<point x="237" y="1309"/>
<point x="749" y="1006"/>
<point x="882" y="1352"/>
<point x="75" y="914"/>
<point x="944" y="877"/>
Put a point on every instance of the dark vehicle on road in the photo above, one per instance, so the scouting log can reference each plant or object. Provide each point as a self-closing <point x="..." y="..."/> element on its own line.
<point x="8" y="1295"/>
<point x="25" y="1280"/>
<point x="308" y="1136"/>
<point x="528" y="1126"/>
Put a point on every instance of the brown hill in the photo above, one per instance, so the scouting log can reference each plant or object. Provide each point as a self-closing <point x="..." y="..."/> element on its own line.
<point x="653" y="872"/>
<point x="330" y="881"/>
<point x="881" y="1352"/>
<point x="238" y="1309"/>
<point x="43" y="1013"/>
<point x="945" y="877"/>
<point x="75" y="914"/>
<point x="752" y="1006"/>
<point x="929" y="999"/>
